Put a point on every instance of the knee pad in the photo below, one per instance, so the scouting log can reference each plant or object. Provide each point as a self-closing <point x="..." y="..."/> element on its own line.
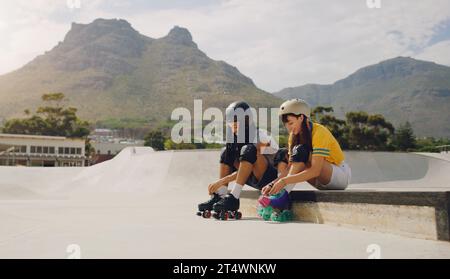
<point x="281" y="156"/>
<point x="248" y="153"/>
<point x="226" y="157"/>
<point x="300" y="154"/>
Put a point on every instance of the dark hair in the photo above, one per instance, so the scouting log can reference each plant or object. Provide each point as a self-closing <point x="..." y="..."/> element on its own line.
<point x="303" y="138"/>
<point x="284" y="117"/>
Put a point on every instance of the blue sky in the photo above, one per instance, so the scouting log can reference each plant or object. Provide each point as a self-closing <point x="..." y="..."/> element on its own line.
<point x="276" y="43"/>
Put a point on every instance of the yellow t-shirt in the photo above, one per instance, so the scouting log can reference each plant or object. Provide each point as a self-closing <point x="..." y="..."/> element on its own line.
<point x="325" y="144"/>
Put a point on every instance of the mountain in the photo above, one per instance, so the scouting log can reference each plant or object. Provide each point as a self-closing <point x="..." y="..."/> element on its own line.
<point x="402" y="89"/>
<point x="108" y="70"/>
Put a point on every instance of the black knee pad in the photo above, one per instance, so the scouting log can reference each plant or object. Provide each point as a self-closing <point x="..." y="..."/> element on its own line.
<point x="248" y="153"/>
<point x="226" y="157"/>
<point x="280" y="156"/>
<point x="300" y="154"/>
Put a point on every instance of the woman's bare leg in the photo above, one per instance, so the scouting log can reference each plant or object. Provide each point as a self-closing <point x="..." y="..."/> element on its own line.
<point x="246" y="169"/>
<point x="260" y="166"/>
<point x="224" y="170"/>
<point x="325" y="173"/>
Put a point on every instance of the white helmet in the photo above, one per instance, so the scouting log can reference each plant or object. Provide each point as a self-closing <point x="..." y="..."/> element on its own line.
<point x="295" y="106"/>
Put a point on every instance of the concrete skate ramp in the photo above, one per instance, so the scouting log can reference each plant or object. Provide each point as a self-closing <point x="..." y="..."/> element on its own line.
<point x="140" y="169"/>
<point x="141" y="204"/>
<point x="398" y="170"/>
<point x="134" y="170"/>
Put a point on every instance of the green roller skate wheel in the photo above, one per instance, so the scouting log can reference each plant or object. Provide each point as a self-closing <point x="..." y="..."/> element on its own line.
<point x="260" y="211"/>
<point x="284" y="216"/>
<point x="267" y="212"/>
<point x="276" y="217"/>
<point x="287" y="215"/>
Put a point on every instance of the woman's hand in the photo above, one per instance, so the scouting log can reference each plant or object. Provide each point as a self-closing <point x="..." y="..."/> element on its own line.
<point x="266" y="189"/>
<point x="277" y="187"/>
<point x="213" y="187"/>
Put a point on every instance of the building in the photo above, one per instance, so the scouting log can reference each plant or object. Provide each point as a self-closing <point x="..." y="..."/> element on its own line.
<point x="107" y="143"/>
<point x="113" y="148"/>
<point x="43" y="151"/>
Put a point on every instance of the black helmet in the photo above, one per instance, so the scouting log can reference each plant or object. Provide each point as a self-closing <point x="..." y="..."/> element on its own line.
<point x="239" y="104"/>
<point x="231" y="110"/>
<point x="241" y="112"/>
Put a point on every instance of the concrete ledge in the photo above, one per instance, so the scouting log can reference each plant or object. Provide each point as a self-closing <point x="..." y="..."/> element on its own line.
<point x="414" y="214"/>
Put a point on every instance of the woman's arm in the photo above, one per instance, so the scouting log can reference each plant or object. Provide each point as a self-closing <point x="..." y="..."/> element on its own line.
<point x="227" y="179"/>
<point x="266" y="189"/>
<point x="212" y="188"/>
<point x="307" y="174"/>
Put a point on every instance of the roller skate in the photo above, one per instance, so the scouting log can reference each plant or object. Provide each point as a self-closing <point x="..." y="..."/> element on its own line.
<point x="227" y="208"/>
<point x="205" y="208"/>
<point x="275" y="207"/>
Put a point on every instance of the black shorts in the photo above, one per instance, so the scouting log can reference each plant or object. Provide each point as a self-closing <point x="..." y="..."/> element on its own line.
<point x="269" y="175"/>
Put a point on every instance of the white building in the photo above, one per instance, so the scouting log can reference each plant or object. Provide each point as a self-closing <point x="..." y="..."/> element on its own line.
<point x="47" y="151"/>
<point x="113" y="148"/>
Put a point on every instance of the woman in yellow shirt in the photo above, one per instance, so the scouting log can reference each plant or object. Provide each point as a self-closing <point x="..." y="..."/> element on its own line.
<point x="313" y="153"/>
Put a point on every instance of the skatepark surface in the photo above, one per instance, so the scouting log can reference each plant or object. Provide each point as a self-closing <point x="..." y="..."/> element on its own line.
<point x="142" y="204"/>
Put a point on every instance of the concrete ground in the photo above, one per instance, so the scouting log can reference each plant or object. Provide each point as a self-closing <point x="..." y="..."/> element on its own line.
<point x="142" y="205"/>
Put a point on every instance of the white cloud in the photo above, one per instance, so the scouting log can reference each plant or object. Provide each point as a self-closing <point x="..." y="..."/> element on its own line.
<point x="439" y="53"/>
<point x="288" y="43"/>
<point x="276" y="43"/>
<point x="27" y="31"/>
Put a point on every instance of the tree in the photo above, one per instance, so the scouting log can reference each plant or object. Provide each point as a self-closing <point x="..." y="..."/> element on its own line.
<point x="155" y="139"/>
<point x="336" y="126"/>
<point x="404" y="138"/>
<point x="368" y="132"/>
<point x="319" y="111"/>
<point x="53" y="119"/>
<point x="170" y="145"/>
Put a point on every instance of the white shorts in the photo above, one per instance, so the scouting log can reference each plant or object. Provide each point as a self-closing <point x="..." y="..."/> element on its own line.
<point x="340" y="178"/>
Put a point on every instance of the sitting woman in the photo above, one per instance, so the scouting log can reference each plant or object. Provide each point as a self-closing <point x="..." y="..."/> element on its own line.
<point x="313" y="154"/>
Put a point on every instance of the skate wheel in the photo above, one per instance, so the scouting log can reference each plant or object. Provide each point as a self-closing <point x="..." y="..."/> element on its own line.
<point x="284" y="216"/>
<point x="199" y="213"/>
<point x="224" y="216"/>
<point x="267" y="213"/>
<point x="288" y="215"/>
<point x="260" y="210"/>
<point x="232" y="214"/>
<point x="215" y="215"/>
<point x="238" y="215"/>
<point x="275" y="217"/>
<point x="207" y="214"/>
